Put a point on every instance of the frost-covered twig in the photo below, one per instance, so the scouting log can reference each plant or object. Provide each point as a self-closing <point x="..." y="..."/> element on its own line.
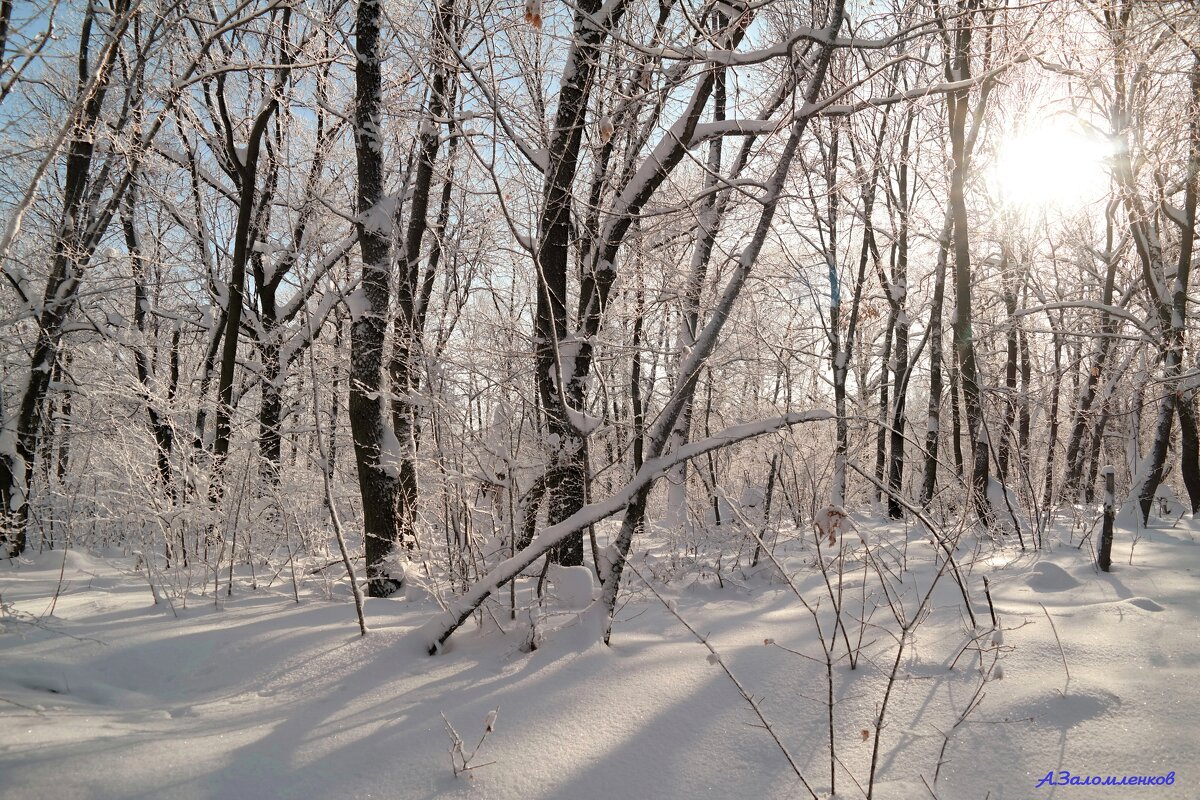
<point x="1061" y="652"/>
<point x="948" y="549"/>
<point x="437" y="630"/>
<point x="989" y="672"/>
<point x="826" y="648"/>
<point x="460" y="762"/>
<point x="329" y="499"/>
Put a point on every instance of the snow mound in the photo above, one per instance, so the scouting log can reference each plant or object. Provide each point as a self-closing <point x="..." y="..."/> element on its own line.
<point x="1047" y="577"/>
<point x="46" y="683"/>
<point x="1144" y="603"/>
<point x="1007" y="507"/>
<point x="829" y="522"/>
<point x="572" y="585"/>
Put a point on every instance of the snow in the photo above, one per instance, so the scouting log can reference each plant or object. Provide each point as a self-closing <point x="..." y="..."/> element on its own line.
<point x="584" y="423"/>
<point x="1010" y="516"/>
<point x="379" y="217"/>
<point x="112" y="696"/>
<point x="358" y="304"/>
<point x="573" y="586"/>
<point x="390" y="454"/>
<point x="829" y="522"/>
<point x="605" y="128"/>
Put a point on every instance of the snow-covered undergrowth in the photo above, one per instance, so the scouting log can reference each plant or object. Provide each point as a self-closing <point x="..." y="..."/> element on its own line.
<point x="112" y="696"/>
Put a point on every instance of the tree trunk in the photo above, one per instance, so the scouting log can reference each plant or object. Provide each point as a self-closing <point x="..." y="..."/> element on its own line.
<point x="964" y="339"/>
<point x="1052" y="444"/>
<point x="1189" y="451"/>
<point x="246" y="166"/>
<point x="1170" y="304"/>
<point x="936" y="327"/>
<point x="377" y="476"/>
<point x="881" y="437"/>
<point x="70" y="254"/>
<point x="554" y="354"/>
<point x="1075" y="451"/>
<point x="933" y="431"/>
<point x="708" y="222"/>
<point x="900" y="369"/>
<point x="1004" y="449"/>
<point x="160" y="427"/>
<point x="412" y="295"/>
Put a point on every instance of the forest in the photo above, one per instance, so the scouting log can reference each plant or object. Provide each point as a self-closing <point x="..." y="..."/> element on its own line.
<point x="676" y="397"/>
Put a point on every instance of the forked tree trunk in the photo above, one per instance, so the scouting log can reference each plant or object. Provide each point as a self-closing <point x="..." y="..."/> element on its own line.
<point x="74" y="242"/>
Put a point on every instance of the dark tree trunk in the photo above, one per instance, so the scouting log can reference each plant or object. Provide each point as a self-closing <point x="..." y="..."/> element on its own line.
<point x="658" y="436"/>
<point x="413" y="286"/>
<point x="1004" y="449"/>
<point x="160" y="426"/>
<point x="72" y="248"/>
<point x="881" y="437"/>
<point x="1169" y="303"/>
<point x="956" y="417"/>
<point x="1083" y="411"/>
<point x="937" y="358"/>
<point x="1189" y="451"/>
<point x="964" y="338"/>
<point x="246" y="167"/>
<point x="378" y="483"/>
<point x="900" y="370"/>
<point x="1095" y="454"/>
<point x="1023" y="413"/>
<point x="933" y="431"/>
<point x="708" y="223"/>
<point x="1189" y="437"/>
<point x="565" y="472"/>
<point x="1052" y="445"/>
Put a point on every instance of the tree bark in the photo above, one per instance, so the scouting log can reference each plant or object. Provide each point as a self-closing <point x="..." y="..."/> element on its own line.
<point x="160" y="426"/>
<point x="964" y="339"/>
<point x="73" y="244"/>
<point x="1083" y="411"/>
<point x="377" y="477"/>
<point x="900" y="369"/>
<point x="246" y="166"/>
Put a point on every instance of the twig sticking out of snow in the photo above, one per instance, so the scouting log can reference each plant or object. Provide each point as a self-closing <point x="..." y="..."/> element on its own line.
<point x="460" y="762"/>
<point x="715" y="658"/>
<point x="1061" y="652"/>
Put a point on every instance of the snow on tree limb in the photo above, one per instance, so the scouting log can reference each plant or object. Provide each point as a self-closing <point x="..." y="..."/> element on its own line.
<point x="435" y="632"/>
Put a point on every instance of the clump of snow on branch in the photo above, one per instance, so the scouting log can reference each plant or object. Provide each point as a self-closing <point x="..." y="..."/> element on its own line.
<point x="829" y="522"/>
<point x="574" y="586"/>
<point x="533" y="13"/>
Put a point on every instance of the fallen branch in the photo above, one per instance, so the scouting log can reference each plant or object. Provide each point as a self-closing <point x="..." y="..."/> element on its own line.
<point x="438" y="630"/>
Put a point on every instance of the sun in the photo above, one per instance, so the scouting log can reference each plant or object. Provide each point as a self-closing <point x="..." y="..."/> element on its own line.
<point x="1051" y="166"/>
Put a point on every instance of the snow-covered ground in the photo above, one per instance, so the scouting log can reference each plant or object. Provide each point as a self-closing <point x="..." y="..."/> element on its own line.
<point x="112" y="696"/>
